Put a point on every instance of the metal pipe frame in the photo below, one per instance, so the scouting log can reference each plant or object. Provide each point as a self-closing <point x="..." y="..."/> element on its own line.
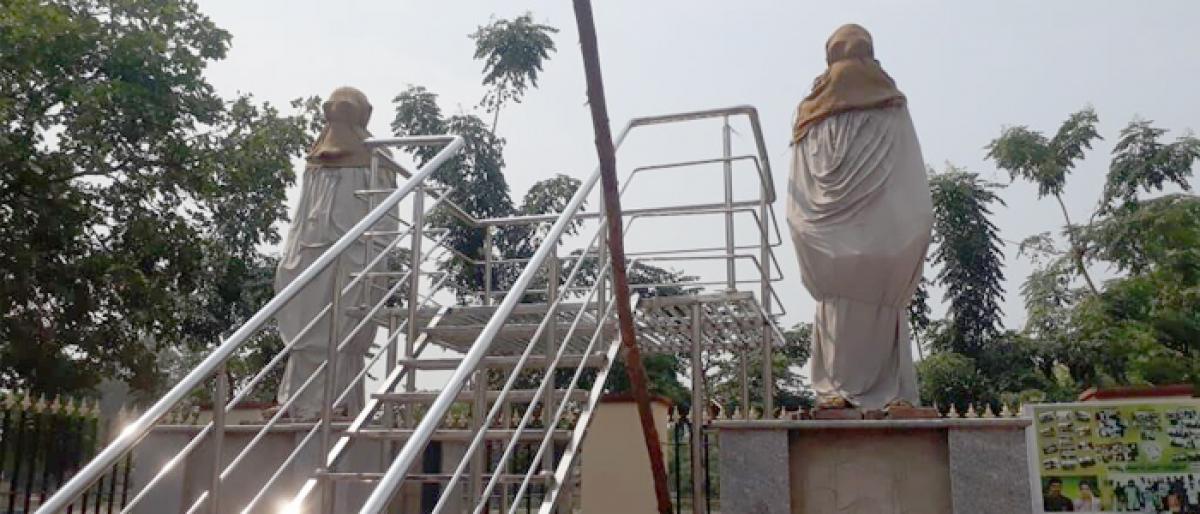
<point x="537" y="335"/>
<point x="270" y="366"/>
<point x="139" y="428"/>
<point x="262" y="432"/>
<point x="547" y="379"/>
<point x="400" y="467"/>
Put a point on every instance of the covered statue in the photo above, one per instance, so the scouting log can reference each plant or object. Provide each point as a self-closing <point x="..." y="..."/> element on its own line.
<point x="860" y="215"/>
<point x="338" y="165"/>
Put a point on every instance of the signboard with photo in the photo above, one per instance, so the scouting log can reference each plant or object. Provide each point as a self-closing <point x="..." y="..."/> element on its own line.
<point x="1116" y="456"/>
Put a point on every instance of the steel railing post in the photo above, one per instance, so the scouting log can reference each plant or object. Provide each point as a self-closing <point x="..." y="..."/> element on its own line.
<point x="478" y="411"/>
<point x="764" y="294"/>
<point x="218" y="440"/>
<point x="726" y="154"/>
<point x="549" y="402"/>
<point x="697" y="413"/>
<point x="488" y="236"/>
<point x="331" y="367"/>
<point x="414" y="284"/>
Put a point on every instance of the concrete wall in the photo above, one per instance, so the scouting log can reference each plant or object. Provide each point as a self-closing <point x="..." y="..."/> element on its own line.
<point x="189" y="479"/>
<point x="938" y="466"/>
<point x="615" y="466"/>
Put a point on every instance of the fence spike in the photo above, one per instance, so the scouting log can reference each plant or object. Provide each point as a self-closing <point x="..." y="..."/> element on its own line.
<point x="953" y="412"/>
<point x="987" y="411"/>
<point x="1005" y="412"/>
<point x="971" y="413"/>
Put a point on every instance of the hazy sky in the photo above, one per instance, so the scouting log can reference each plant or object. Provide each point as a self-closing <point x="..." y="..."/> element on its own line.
<point x="968" y="69"/>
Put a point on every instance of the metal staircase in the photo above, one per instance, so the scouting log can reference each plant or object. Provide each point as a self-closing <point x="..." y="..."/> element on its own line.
<point x="522" y="368"/>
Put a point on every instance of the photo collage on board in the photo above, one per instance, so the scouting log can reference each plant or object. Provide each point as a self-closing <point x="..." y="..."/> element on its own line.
<point x="1118" y="457"/>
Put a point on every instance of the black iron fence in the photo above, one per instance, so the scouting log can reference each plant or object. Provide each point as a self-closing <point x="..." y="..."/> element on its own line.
<point x="680" y="468"/>
<point x="43" y="443"/>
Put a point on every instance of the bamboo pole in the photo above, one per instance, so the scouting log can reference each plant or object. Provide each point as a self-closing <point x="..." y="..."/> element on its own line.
<point x="616" y="248"/>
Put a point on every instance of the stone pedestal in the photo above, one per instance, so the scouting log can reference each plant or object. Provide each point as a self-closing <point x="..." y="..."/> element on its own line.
<point x="918" y="466"/>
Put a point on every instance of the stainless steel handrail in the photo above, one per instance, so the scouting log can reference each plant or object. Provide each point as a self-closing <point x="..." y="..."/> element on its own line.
<point x="390" y="481"/>
<point x="386" y="488"/>
<point x="139" y="428"/>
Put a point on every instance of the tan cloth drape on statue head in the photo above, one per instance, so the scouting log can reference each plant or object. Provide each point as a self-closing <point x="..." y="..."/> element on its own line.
<point x="340" y="144"/>
<point x="853" y="81"/>
<point x="860" y="214"/>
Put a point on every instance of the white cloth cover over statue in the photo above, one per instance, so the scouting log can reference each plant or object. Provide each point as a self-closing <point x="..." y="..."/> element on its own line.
<point x="860" y="216"/>
<point x="338" y="165"/>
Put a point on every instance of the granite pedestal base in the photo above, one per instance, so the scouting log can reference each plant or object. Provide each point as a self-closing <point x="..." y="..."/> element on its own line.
<point x="919" y="466"/>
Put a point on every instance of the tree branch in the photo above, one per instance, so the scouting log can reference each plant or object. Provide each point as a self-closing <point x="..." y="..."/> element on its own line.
<point x="1076" y="248"/>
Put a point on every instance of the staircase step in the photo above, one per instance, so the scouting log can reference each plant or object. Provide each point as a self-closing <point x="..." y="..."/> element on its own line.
<point x="596" y="360"/>
<point x="437" y="477"/>
<point x="529" y="435"/>
<point x="475" y="314"/>
<point x="466" y="334"/>
<point x="521" y="395"/>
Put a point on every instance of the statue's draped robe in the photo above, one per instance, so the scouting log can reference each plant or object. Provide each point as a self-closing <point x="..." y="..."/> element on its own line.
<point x="328" y="208"/>
<point x="860" y="214"/>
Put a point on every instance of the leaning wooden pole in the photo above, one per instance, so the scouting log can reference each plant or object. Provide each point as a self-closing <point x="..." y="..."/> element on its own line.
<point x="616" y="248"/>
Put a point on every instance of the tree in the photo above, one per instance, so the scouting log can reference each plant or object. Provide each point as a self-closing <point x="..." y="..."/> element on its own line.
<point x="967" y="249"/>
<point x="475" y="182"/>
<point x="132" y="197"/>
<point x="513" y="52"/>
<point x="1141" y="326"/>
<point x="790" y="391"/>
<point x="1028" y="154"/>
<point x="1144" y="326"/>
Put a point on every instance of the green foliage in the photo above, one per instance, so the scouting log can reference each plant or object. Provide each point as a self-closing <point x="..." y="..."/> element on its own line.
<point x="791" y="391"/>
<point x="1141" y="327"/>
<point x="133" y="197"/>
<point x="1147" y="322"/>
<point x="476" y="184"/>
<point x="1141" y="162"/>
<point x="662" y="371"/>
<point x="967" y="250"/>
<point x="1029" y="155"/>
<point x="950" y="378"/>
<point x="1146" y="234"/>
<point x="513" y="52"/>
